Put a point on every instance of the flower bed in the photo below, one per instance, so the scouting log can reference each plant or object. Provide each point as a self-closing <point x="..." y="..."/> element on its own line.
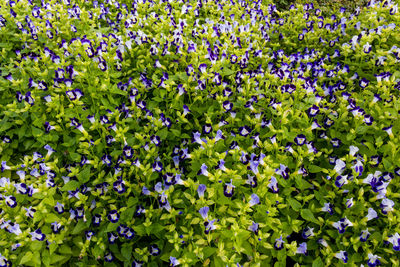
<point x="198" y="133"/>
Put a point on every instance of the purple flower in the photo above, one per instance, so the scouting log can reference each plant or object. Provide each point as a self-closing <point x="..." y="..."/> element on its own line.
<point x="173" y="261"/>
<point x="108" y="257"/>
<point x="313" y="111"/>
<point x="112" y="237"/>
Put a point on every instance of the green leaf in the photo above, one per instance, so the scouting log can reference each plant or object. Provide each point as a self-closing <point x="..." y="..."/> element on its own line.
<point x="318" y="262"/>
<point x="208" y="251"/>
<point x="84" y="175"/>
<point x="307" y="214"/>
<point x="71" y="185"/>
<point x="294" y="204"/>
<point x="126" y="251"/>
<point x="26" y="258"/>
<point x="79" y="227"/>
<point x="36" y="131"/>
<point x="314" y="169"/>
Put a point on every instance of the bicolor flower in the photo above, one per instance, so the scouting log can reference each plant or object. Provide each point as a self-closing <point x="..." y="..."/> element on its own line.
<point x="209" y="226"/>
<point x="30" y="212"/>
<point x="38" y="235"/>
<point x="342" y="224"/>
<point x="108" y="257"/>
<point x="11" y="201"/>
<point x="342" y="255"/>
<point x="154" y="250"/>
<point x="373" y="260"/>
<point x="273" y="185"/>
<point x="387" y="205"/>
<point x="363" y="83"/>
<point x="112" y="237"/>
<point x="279" y="243"/>
<point x="307" y="232"/>
<point x="300" y="139"/>
<point x="96" y="220"/>
<point x="328" y="207"/>
<point x="254" y="227"/>
<point x="349" y="203"/>
<point x="203" y="170"/>
<point x="113" y="216"/>
<point x="364" y="235"/>
<point x="229" y="189"/>
<point x="395" y="241"/>
<point x="283" y="171"/>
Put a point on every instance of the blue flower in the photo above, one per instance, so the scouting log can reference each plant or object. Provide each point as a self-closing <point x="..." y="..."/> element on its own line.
<point x="395" y="241"/>
<point x="204" y="212"/>
<point x="254" y="200"/>
<point x="302" y="248"/>
<point x="173" y="261"/>
<point x="254" y="227"/>
<point x="201" y="189"/>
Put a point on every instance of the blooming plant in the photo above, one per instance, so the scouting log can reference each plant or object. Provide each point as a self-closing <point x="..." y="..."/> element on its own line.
<point x="199" y="132"/>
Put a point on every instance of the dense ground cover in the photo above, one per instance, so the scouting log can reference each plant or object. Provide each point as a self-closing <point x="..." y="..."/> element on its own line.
<point x="194" y="133"/>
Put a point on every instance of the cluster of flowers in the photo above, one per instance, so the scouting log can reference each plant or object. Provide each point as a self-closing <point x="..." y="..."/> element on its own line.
<point x="180" y="132"/>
